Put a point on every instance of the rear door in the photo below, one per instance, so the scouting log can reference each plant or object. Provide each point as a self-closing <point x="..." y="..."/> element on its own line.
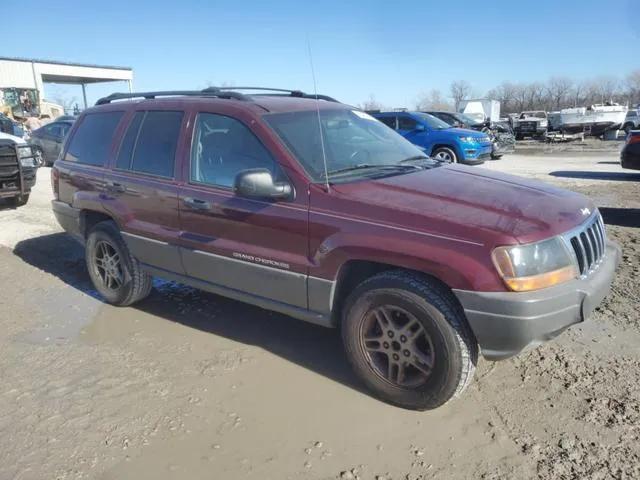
<point x="141" y="189"/>
<point x="256" y="247"/>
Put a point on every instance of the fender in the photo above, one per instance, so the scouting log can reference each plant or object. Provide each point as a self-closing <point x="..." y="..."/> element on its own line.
<point x="454" y="263"/>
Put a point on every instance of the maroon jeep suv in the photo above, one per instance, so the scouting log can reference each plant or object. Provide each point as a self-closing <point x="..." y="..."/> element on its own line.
<point x="303" y="205"/>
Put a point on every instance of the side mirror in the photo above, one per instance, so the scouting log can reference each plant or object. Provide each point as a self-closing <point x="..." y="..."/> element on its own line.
<point x="258" y="183"/>
<point x="419" y="128"/>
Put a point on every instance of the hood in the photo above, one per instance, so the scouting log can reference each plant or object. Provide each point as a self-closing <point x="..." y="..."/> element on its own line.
<point x="18" y="140"/>
<point x="471" y="203"/>
<point x="463" y="131"/>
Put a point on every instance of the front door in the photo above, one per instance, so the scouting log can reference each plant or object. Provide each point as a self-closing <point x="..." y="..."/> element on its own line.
<point x="407" y="127"/>
<point x="256" y="247"/>
<point x="141" y="190"/>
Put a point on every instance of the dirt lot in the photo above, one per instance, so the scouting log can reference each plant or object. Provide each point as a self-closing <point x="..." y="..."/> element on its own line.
<point x="190" y="385"/>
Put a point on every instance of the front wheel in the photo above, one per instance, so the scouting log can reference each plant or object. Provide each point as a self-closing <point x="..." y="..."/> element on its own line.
<point x="39" y="156"/>
<point x="445" y="154"/>
<point x="115" y="273"/>
<point x="408" y="340"/>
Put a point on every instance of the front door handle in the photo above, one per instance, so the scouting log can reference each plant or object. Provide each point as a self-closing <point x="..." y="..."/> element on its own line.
<point x="197" y="204"/>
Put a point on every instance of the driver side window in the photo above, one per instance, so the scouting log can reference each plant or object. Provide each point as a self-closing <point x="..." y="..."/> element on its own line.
<point x="222" y="147"/>
<point x="406" y="123"/>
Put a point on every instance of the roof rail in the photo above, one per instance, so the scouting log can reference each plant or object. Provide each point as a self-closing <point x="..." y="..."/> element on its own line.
<point x="214" y="92"/>
<point x="207" y="92"/>
<point x="277" y="92"/>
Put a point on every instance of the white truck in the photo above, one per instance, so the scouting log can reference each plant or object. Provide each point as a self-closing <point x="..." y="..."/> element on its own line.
<point x="481" y="110"/>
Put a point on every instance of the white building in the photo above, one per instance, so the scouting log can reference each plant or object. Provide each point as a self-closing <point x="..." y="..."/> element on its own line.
<point x="23" y="77"/>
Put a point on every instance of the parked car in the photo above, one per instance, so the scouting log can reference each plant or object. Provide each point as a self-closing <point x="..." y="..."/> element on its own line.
<point x="47" y="140"/>
<point x="438" y="138"/>
<point x="303" y="205"/>
<point x="630" y="153"/>
<point x="502" y="138"/>
<point x="632" y="121"/>
<point x="530" y="124"/>
<point x="18" y="167"/>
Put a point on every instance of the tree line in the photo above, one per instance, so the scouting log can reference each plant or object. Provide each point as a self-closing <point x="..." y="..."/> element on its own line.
<point x="556" y="93"/>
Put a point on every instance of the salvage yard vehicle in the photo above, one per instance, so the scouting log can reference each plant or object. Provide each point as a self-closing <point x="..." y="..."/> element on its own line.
<point x="630" y="153"/>
<point x="530" y="124"/>
<point x="18" y="168"/>
<point x="302" y="205"/>
<point x="632" y="121"/>
<point x="439" y="139"/>
<point x="47" y="140"/>
<point x="502" y="139"/>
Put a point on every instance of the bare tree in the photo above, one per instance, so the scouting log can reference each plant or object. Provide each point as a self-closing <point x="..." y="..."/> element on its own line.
<point x="460" y="90"/>
<point x="607" y="88"/>
<point x="559" y="89"/>
<point x="370" y="104"/>
<point x="633" y="87"/>
<point x="535" y="96"/>
<point x="62" y="98"/>
<point x="433" y="101"/>
<point x="578" y="93"/>
<point x="505" y="93"/>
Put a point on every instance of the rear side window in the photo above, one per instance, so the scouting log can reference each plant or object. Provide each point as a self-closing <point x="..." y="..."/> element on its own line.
<point x="92" y="140"/>
<point x="388" y="121"/>
<point x="151" y="142"/>
<point x="129" y="142"/>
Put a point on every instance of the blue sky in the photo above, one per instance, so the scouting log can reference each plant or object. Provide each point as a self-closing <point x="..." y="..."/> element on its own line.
<point x="359" y="48"/>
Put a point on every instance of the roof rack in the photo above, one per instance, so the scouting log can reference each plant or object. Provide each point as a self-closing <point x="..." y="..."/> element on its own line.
<point x="214" y="92"/>
<point x="278" y="92"/>
<point x="207" y="92"/>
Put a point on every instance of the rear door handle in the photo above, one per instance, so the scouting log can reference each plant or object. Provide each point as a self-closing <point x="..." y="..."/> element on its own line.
<point x="197" y="204"/>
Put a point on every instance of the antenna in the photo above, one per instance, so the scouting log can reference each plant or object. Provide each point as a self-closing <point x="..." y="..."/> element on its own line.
<point x="315" y="93"/>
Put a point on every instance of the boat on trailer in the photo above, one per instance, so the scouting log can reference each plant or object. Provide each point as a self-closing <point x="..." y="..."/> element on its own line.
<point x="594" y="120"/>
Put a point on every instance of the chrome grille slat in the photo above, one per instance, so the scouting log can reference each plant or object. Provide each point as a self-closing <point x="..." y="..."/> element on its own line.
<point x="589" y="243"/>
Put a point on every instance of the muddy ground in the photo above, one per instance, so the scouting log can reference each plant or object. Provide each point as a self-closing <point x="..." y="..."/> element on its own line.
<point x="190" y="385"/>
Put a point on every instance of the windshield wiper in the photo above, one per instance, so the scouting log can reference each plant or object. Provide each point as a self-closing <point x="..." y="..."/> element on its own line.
<point x="372" y="166"/>
<point x="414" y="158"/>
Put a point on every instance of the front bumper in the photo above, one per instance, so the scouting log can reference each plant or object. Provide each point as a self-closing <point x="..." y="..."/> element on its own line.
<point x="506" y="323"/>
<point x="476" y="153"/>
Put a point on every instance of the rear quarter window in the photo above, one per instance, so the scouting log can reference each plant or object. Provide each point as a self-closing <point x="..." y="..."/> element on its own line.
<point x="92" y="140"/>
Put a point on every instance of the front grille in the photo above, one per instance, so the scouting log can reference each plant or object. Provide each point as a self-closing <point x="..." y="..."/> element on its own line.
<point x="589" y="243"/>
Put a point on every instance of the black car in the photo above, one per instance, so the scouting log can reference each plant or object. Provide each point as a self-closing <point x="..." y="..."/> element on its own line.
<point x="630" y="154"/>
<point x="47" y="140"/>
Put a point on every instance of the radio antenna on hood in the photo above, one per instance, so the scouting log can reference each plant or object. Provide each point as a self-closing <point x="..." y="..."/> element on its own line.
<point x="315" y="94"/>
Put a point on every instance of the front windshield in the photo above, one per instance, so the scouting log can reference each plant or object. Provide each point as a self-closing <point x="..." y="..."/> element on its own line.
<point x="351" y="139"/>
<point x="431" y="121"/>
<point x="532" y="115"/>
<point x="466" y="119"/>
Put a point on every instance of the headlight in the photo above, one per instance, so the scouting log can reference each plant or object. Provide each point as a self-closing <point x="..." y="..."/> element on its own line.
<point x="468" y="139"/>
<point x="28" y="162"/>
<point x="534" y="266"/>
<point x="544" y="123"/>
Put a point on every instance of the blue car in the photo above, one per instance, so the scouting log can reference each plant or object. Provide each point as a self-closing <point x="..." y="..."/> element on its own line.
<point x="437" y="138"/>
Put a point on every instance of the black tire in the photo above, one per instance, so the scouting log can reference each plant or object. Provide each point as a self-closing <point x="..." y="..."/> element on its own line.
<point x="135" y="283"/>
<point x="445" y="152"/>
<point x="18" y="201"/>
<point x="453" y="345"/>
<point x="496" y="157"/>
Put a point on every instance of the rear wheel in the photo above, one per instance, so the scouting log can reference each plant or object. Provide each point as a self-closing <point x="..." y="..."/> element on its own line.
<point x="18" y="201"/>
<point x="115" y="273"/>
<point x="408" y="340"/>
<point x="445" y="154"/>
